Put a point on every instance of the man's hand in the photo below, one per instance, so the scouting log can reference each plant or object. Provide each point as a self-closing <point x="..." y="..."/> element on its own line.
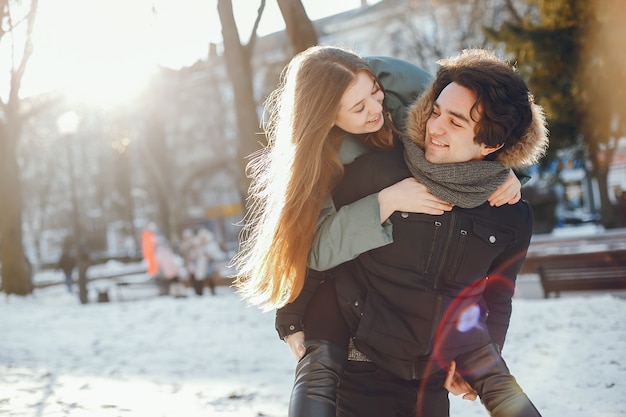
<point x="509" y="192"/>
<point x="296" y="344"/>
<point x="456" y="385"/>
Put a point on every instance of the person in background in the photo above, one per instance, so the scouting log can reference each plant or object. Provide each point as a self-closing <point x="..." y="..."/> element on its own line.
<point x="67" y="262"/>
<point x="83" y="262"/>
<point x="208" y="253"/>
<point x="161" y="264"/>
<point x="620" y="206"/>
<point x="148" y="246"/>
<point x="169" y="269"/>
<point x="188" y="251"/>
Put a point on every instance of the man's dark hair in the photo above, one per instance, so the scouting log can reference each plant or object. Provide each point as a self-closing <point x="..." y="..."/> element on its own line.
<point x="503" y="98"/>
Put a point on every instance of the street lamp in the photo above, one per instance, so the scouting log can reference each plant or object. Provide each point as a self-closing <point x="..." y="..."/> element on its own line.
<point x="68" y="125"/>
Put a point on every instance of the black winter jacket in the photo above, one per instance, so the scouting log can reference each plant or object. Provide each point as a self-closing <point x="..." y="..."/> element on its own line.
<point x="442" y="288"/>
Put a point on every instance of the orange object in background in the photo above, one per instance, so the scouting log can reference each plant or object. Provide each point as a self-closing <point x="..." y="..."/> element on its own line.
<point x="148" y="249"/>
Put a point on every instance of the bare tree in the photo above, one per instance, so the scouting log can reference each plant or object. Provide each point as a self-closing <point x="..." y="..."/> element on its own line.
<point x="238" y="62"/>
<point x="433" y="30"/>
<point x="299" y="27"/>
<point x="15" y="279"/>
<point x="602" y="78"/>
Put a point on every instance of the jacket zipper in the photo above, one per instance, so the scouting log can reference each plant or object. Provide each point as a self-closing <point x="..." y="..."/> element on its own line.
<point x="433" y="331"/>
<point x="445" y="251"/>
<point x="439" y="299"/>
<point x="431" y="252"/>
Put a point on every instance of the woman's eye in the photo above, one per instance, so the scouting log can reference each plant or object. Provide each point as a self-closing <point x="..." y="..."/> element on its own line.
<point x="455" y="123"/>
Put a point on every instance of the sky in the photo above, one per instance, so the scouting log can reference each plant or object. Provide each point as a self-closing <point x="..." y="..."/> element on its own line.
<point x="214" y="356"/>
<point x="104" y="50"/>
<point x="143" y="355"/>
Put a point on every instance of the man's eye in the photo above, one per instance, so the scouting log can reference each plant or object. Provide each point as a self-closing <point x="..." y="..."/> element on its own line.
<point x="455" y="123"/>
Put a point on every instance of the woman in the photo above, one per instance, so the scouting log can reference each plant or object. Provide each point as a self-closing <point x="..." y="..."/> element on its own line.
<point x="293" y="176"/>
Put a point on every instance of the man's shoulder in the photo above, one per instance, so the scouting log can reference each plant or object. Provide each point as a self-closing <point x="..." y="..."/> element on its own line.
<point x="507" y="214"/>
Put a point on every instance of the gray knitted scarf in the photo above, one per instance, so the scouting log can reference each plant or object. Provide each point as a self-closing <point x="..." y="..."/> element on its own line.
<point x="465" y="184"/>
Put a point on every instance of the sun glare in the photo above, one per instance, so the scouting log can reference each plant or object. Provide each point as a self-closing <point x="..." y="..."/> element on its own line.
<point x="104" y="51"/>
<point x="101" y="52"/>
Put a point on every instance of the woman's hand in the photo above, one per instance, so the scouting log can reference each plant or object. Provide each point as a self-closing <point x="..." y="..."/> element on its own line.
<point x="509" y="192"/>
<point x="409" y="196"/>
<point x="296" y="344"/>
<point x="456" y="385"/>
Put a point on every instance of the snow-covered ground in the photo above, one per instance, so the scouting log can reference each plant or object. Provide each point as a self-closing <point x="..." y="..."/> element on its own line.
<point x="215" y="356"/>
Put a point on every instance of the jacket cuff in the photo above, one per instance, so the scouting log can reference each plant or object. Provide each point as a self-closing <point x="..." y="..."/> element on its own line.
<point x="285" y="330"/>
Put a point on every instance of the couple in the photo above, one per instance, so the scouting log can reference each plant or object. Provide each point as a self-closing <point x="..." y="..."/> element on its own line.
<point x="422" y="255"/>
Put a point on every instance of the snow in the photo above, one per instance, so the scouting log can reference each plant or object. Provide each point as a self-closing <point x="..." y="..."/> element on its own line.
<point x="145" y="355"/>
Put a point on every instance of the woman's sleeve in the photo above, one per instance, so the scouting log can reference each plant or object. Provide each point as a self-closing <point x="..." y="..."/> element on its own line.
<point x="345" y="234"/>
<point x="289" y="318"/>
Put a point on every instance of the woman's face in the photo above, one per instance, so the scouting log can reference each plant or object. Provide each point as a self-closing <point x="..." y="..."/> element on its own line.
<point x="361" y="106"/>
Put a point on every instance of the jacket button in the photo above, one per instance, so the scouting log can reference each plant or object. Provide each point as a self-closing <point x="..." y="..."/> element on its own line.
<point x="463" y="232"/>
<point x="492" y="239"/>
<point x="356" y="303"/>
<point x="437" y="224"/>
<point x="292" y="327"/>
<point x="404" y="215"/>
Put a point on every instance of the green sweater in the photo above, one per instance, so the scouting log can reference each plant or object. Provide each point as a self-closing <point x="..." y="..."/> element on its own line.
<point x="356" y="228"/>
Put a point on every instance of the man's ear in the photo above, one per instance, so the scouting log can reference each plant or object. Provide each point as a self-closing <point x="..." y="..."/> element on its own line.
<point x="486" y="150"/>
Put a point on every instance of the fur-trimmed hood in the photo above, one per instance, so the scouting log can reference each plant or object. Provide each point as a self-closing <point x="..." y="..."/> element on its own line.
<point x="527" y="151"/>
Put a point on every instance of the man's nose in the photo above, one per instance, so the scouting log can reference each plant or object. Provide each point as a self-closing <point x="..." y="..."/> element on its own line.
<point x="435" y="127"/>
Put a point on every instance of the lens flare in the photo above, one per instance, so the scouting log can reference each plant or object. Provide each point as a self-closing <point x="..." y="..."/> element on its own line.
<point x="468" y="319"/>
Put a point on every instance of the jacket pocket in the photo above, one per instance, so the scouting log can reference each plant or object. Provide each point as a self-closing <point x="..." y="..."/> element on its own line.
<point x="395" y="334"/>
<point x="412" y="246"/>
<point x="478" y="244"/>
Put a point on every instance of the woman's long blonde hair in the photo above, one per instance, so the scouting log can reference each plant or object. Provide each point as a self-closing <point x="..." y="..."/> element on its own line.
<point x="295" y="172"/>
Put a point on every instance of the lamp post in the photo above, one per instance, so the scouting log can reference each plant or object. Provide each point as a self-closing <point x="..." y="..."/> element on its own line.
<point x="68" y="124"/>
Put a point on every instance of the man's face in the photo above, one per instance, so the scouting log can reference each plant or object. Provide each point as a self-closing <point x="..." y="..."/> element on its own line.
<point x="450" y="128"/>
<point x="361" y="106"/>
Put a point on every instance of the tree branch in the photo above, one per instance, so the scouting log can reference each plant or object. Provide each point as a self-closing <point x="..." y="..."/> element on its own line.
<point x="18" y="73"/>
<point x="253" y="35"/>
<point x="514" y="13"/>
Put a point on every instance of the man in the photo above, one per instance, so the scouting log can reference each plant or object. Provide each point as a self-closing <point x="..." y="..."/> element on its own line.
<point x="441" y="292"/>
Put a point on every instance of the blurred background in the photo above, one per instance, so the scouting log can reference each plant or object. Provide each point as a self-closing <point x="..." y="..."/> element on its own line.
<point x="115" y="115"/>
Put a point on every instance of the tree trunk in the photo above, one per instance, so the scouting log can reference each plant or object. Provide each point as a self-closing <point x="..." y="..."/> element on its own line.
<point x="238" y="64"/>
<point x="298" y="26"/>
<point x="15" y="279"/>
<point x="600" y="172"/>
<point x="15" y="272"/>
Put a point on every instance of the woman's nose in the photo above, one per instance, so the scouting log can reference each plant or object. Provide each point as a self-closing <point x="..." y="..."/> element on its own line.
<point x="375" y="106"/>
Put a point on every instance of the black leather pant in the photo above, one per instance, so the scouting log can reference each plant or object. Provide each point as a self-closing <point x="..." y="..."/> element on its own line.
<point x="369" y="391"/>
<point x="314" y="391"/>
<point x="318" y="373"/>
<point x="366" y="390"/>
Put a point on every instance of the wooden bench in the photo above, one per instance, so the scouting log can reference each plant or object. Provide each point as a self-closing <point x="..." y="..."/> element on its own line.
<point x="576" y="275"/>
<point x="144" y="281"/>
